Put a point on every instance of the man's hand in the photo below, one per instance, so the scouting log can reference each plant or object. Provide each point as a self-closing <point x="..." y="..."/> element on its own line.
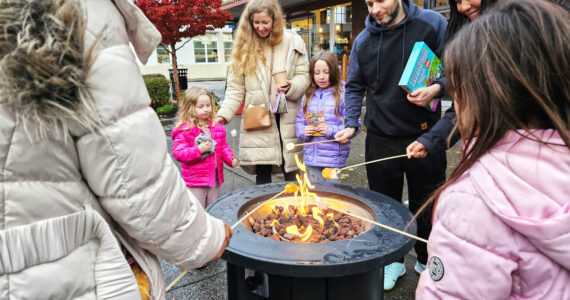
<point x="416" y="150"/>
<point x="205" y="147"/>
<point x="229" y="234"/>
<point x="221" y="120"/>
<point x="422" y="96"/>
<point x="310" y="130"/>
<point x="344" y="135"/>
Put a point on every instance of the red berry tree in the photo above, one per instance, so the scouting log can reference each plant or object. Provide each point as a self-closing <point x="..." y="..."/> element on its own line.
<point x="178" y="19"/>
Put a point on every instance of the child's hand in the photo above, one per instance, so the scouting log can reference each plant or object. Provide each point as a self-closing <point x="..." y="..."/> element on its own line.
<point x="235" y="162"/>
<point x="323" y="128"/>
<point x="205" y="147"/>
<point x="310" y="130"/>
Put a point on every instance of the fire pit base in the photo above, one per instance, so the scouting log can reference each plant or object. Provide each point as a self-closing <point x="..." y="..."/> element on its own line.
<point x="352" y="269"/>
<point x="247" y="284"/>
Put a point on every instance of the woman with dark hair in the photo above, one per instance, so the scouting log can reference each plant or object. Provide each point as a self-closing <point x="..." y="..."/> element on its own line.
<point x="501" y="220"/>
<point x="462" y="12"/>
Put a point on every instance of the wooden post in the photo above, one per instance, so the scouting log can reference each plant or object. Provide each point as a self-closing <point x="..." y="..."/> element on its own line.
<point x="345" y="59"/>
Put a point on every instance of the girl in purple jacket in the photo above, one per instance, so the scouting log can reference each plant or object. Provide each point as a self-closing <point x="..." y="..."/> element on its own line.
<point x="200" y="145"/>
<point x="321" y="116"/>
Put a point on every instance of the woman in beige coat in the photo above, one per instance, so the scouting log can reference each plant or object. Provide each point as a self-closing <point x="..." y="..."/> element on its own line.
<point x="85" y="172"/>
<point x="263" y="48"/>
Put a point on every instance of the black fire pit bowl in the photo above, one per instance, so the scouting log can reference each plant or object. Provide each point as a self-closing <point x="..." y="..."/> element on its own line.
<point x="263" y="268"/>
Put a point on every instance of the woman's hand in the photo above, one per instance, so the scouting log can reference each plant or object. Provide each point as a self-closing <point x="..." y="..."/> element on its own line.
<point x="323" y="128"/>
<point x="422" y="96"/>
<point x="205" y="147"/>
<point x="310" y="130"/>
<point x="416" y="150"/>
<point x="221" y="120"/>
<point x="229" y="234"/>
<point x="235" y="162"/>
<point x="284" y="89"/>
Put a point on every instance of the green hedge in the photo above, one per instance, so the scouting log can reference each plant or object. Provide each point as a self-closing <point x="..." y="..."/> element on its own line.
<point x="164" y="109"/>
<point x="157" y="88"/>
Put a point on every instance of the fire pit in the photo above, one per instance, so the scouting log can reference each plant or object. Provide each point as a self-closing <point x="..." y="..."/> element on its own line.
<point x="263" y="268"/>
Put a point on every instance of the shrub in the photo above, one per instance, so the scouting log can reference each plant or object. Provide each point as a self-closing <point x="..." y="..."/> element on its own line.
<point x="157" y="88"/>
<point x="217" y="100"/>
<point x="164" y="109"/>
<point x="146" y="76"/>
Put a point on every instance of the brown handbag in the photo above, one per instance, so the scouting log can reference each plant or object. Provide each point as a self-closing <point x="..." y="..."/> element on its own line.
<point x="256" y="117"/>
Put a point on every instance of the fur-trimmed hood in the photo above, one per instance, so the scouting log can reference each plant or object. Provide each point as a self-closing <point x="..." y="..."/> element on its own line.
<point x="44" y="64"/>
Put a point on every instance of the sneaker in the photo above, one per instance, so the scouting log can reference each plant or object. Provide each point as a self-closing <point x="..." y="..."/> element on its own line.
<point x="419" y="267"/>
<point x="392" y="272"/>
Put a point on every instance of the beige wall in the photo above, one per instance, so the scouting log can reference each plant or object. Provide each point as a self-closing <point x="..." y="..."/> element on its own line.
<point x="210" y="71"/>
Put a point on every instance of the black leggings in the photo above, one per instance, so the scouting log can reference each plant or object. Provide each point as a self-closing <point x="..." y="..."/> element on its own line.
<point x="264" y="171"/>
<point x="424" y="176"/>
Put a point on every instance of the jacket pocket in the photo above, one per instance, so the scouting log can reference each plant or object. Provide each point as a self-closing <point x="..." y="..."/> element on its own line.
<point x="67" y="257"/>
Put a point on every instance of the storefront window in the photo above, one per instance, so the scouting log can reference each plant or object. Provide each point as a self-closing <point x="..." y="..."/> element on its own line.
<point x="228" y="44"/>
<point x="317" y="33"/>
<point x="206" y="48"/>
<point x="162" y="55"/>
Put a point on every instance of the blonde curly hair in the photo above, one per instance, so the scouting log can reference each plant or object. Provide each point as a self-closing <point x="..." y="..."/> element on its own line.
<point x="188" y="103"/>
<point x="248" y="45"/>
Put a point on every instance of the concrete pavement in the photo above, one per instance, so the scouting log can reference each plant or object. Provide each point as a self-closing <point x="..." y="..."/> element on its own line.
<point x="210" y="283"/>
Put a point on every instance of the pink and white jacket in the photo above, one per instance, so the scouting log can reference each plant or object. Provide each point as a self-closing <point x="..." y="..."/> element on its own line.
<point x="195" y="171"/>
<point x="502" y="231"/>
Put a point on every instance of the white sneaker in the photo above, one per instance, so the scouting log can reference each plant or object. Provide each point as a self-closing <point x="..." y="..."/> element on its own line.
<point x="392" y="272"/>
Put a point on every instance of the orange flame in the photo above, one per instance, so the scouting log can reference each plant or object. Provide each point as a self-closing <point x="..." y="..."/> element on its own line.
<point x="316" y="212"/>
<point x="293" y="230"/>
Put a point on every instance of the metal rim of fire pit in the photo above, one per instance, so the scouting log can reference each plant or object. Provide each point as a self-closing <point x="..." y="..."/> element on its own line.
<point x="370" y="250"/>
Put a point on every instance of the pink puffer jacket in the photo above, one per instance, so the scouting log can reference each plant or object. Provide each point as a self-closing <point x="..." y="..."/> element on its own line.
<point x="195" y="171"/>
<point x="502" y="231"/>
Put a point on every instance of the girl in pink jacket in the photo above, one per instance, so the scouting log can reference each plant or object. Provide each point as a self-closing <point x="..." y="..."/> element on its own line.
<point x="501" y="226"/>
<point x="200" y="145"/>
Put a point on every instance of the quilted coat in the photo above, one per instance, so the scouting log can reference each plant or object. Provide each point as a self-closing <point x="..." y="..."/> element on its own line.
<point x="332" y="154"/>
<point x="83" y="178"/>
<point x="502" y="231"/>
<point x="195" y="170"/>
<point x="262" y="146"/>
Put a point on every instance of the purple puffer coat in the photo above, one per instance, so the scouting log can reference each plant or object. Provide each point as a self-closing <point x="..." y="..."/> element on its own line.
<point x="330" y="155"/>
<point x="195" y="171"/>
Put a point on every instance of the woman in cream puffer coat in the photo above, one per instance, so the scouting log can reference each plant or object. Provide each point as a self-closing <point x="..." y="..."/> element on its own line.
<point x="85" y="172"/>
<point x="262" y="151"/>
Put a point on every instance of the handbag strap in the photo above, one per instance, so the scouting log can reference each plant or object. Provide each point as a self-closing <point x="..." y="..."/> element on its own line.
<point x="271" y="72"/>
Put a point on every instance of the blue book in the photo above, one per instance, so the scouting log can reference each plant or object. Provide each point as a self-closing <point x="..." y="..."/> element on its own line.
<point x="423" y="68"/>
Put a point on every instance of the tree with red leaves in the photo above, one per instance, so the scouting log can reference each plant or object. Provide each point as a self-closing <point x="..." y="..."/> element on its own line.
<point x="178" y="19"/>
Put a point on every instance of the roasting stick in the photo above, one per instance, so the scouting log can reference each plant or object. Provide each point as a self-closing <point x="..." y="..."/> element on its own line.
<point x="381" y="225"/>
<point x="260" y="205"/>
<point x="233" y="226"/>
<point x="291" y="146"/>
<point x="373" y="161"/>
<point x="176" y="280"/>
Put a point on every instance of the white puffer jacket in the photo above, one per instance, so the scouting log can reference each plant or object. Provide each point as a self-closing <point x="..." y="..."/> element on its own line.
<point x="69" y="199"/>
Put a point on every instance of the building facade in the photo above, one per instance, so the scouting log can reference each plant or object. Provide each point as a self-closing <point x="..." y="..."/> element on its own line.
<point x="323" y="24"/>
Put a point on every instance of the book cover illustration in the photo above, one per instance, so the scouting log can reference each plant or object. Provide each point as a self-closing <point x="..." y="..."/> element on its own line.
<point x="315" y="118"/>
<point x="423" y="68"/>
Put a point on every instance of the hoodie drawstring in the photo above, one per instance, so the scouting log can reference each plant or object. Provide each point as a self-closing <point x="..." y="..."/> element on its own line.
<point x="378" y="56"/>
<point x="403" y="48"/>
